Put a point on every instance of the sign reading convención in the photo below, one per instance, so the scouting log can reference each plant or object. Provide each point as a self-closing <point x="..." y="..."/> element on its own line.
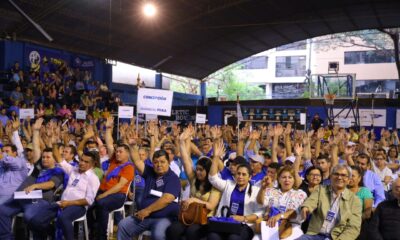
<point x="154" y="101"/>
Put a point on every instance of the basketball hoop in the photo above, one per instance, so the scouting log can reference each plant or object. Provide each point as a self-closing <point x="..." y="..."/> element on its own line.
<point x="329" y="99"/>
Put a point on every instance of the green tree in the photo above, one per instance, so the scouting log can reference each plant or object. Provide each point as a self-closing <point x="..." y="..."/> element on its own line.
<point x="227" y="84"/>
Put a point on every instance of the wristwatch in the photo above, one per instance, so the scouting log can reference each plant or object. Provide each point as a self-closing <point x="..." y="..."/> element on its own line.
<point x="282" y="216"/>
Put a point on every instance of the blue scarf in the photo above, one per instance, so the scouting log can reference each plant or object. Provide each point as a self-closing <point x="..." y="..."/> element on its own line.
<point x="115" y="172"/>
<point x="46" y="176"/>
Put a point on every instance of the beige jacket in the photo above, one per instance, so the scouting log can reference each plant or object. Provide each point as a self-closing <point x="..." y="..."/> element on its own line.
<point x="350" y="212"/>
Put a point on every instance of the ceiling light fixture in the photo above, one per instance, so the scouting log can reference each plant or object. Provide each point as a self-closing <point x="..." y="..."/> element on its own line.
<point x="149" y="9"/>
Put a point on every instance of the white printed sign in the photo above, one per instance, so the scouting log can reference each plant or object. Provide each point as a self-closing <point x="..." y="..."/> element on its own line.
<point x="200" y="118"/>
<point x="344" y="122"/>
<point x="398" y="118"/>
<point x="80" y="114"/>
<point x="377" y="117"/>
<point x="125" y="112"/>
<point x="303" y="118"/>
<point x="150" y="117"/>
<point x="26" y="112"/>
<point x="155" y="101"/>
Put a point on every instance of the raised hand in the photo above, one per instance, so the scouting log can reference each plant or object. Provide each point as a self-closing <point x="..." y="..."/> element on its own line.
<point x="15" y="125"/>
<point x="266" y="182"/>
<point x="255" y="135"/>
<point x="320" y="133"/>
<point x="219" y="149"/>
<point x="216" y="132"/>
<point x="185" y="135"/>
<point x="110" y="122"/>
<point x="278" y="130"/>
<point x="89" y="132"/>
<point x="298" y="149"/>
<point x="288" y="129"/>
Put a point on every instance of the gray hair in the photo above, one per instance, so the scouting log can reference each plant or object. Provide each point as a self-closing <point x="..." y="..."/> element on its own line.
<point x="342" y="166"/>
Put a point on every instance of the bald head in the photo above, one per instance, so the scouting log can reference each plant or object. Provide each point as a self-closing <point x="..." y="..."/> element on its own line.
<point x="396" y="189"/>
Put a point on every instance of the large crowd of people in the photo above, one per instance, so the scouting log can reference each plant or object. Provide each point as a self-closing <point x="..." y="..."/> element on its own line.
<point x="323" y="183"/>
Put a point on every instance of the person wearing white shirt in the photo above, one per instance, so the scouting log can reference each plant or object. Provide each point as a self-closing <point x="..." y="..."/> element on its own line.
<point x="80" y="192"/>
<point x="381" y="169"/>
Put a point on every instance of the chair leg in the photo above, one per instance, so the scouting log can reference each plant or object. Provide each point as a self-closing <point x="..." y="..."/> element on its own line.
<point x="86" y="229"/>
<point x="110" y="224"/>
<point x="13" y="224"/>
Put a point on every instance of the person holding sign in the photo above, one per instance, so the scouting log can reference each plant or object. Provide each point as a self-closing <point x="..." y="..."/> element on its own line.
<point x="336" y="211"/>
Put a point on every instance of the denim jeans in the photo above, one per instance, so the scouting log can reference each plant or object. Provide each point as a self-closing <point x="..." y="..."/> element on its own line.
<point x="314" y="237"/>
<point x="131" y="226"/>
<point x="10" y="208"/>
<point x="102" y="208"/>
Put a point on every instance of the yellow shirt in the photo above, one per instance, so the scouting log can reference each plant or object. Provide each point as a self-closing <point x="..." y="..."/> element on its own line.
<point x="204" y="197"/>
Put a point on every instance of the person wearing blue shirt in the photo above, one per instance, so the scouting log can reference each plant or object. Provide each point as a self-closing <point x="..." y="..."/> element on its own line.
<point x="324" y="162"/>
<point x="14" y="170"/>
<point x="3" y="117"/>
<point x="48" y="178"/>
<point x="159" y="205"/>
<point x="229" y="171"/>
<point x="256" y="165"/>
<point x="371" y="180"/>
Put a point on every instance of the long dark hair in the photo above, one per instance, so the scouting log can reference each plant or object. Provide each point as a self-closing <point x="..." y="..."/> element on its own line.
<point x="361" y="173"/>
<point x="204" y="162"/>
<point x="247" y="166"/>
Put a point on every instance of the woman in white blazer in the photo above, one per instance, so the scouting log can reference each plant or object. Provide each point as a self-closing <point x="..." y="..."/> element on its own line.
<point x="239" y="195"/>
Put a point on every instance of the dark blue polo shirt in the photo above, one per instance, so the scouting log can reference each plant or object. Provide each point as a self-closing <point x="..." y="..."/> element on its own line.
<point x="237" y="201"/>
<point x="168" y="183"/>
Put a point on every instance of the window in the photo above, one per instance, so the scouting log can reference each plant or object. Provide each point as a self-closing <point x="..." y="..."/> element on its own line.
<point x="290" y="66"/>
<point x="182" y="84"/>
<point x="288" y="90"/>
<point x="255" y="62"/>
<point x="373" y="56"/>
<point x="300" y="45"/>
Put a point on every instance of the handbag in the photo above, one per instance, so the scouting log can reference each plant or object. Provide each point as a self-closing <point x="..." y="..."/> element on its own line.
<point x="285" y="227"/>
<point x="224" y="224"/>
<point x="196" y="213"/>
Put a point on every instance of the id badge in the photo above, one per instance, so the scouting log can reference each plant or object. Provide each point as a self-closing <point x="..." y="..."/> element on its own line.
<point x="159" y="183"/>
<point x="282" y="209"/>
<point x="75" y="182"/>
<point x="234" y="208"/>
<point x="330" y="216"/>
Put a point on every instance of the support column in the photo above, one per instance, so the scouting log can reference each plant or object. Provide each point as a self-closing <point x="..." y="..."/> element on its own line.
<point x="158" y="81"/>
<point x="203" y="92"/>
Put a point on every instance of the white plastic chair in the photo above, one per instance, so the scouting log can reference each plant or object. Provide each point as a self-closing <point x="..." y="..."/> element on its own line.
<point x="110" y="226"/>
<point x="85" y="225"/>
<point x="145" y="233"/>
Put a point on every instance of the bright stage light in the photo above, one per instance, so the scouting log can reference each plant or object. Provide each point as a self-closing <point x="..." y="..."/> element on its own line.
<point x="149" y="10"/>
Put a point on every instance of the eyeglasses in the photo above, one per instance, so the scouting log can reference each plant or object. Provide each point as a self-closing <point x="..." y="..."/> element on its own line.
<point x="377" y="159"/>
<point x="314" y="175"/>
<point x="340" y="175"/>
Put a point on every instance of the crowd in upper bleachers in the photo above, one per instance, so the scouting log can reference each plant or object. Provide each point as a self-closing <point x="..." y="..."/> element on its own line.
<point x="56" y="90"/>
<point x="323" y="183"/>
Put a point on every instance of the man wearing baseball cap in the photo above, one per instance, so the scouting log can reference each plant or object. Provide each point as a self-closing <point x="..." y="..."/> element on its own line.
<point x="256" y="165"/>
